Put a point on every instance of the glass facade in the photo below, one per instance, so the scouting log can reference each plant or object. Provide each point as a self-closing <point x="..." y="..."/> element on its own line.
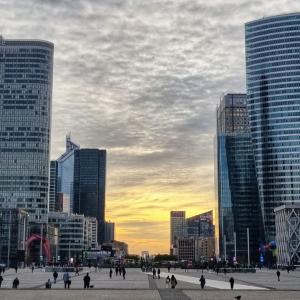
<point x="238" y="203"/>
<point x="89" y="186"/>
<point x="273" y="100"/>
<point x="25" y="118"/>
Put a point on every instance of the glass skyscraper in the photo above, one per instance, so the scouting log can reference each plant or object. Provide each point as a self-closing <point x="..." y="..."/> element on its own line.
<point x="25" y="119"/>
<point x="273" y="97"/>
<point x="89" y="186"/>
<point x="238" y="203"/>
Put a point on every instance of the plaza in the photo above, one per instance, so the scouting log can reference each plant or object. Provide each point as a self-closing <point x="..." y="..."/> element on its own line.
<point x="138" y="285"/>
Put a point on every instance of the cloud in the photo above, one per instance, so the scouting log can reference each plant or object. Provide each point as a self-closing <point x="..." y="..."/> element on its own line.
<point x="142" y="79"/>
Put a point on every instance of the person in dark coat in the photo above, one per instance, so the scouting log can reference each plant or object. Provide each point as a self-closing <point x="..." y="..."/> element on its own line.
<point x="16" y="283"/>
<point x="158" y="273"/>
<point x="173" y="282"/>
<point x="124" y="272"/>
<point x="32" y="269"/>
<point x="1" y="279"/>
<point x="110" y="273"/>
<point x="154" y="273"/>
<point x="278" y="275"/>
<point x="202" y="281"/>
<point x="117" y="271"/>
<point x="55" y="275"/>
<point x="86" y="281"/>
<point x="231" y="281"/>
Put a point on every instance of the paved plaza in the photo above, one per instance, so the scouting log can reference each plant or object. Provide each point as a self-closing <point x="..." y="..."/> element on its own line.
<point x="139" y="285"/>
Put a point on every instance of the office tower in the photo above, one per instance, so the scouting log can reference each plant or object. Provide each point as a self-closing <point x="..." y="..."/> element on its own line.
<point x="53" y="186"/>
<point x="65" y="177"/>
<point x="89" y="186"/>
<point x="201" y="225"/>
<point x="238" y="203"/>
<point x="109" y="231"/>
<point x="177" y="227"/>
<point x="273" y="100"/>
<point x="25" y="119"/>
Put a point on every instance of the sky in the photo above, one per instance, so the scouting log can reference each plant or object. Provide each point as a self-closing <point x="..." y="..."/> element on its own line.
<point x="142" y="78"/>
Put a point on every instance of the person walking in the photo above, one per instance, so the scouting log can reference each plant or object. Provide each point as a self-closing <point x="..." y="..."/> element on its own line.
<point x="168" y="280"/>
<point x="124" y="272"/>
<point x="1" y="279"/>
<point x="66" y="279"/>
<point x="154" y="273"/>
<point x="55" y="275"/>
<point x="16" y="269"/>
<point x="120" y="271"/>
<point x="278" y="275"/>
<point x="158" y="273"/>
<point x="173" y="282"/>
<point x="86" y="281"/>
<point x="231" y="281"/>
<point x="202" y="281"/>
<point x="110" y="273"/>
<point x="117" y="271"/>
<point x="48" y="284"/>
<point x="16" y="283"/>
<point x="32" y="269"/>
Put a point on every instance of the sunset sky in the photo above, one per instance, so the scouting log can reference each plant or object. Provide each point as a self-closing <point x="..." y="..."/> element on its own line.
<point x="142" y="79"/>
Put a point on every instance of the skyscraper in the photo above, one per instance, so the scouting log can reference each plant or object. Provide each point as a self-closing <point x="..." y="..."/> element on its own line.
<point x="25" y="119"/>
<point x="273" y="96"/>
<point x="201" y="225"/>
<point x="53" y="186"/>
<point x="238" y="203"/>
<point x="89" y="186"/>
<point x="177" y="227"/>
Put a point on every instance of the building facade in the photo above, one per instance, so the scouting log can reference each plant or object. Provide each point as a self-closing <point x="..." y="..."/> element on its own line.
<point x="273" y="78"/>
<point x="238" y="202"/>
<point x="287" y="223"/>
<point x="177" y="228"/>
<point x="25" y="118"/>
<point x="109" y="231"/>
<point x="75" y="234"/>
<point x="201" y="225"/>
<point x="14" y="231"/>
<point x="53" y="186"/>
<point x="89" y="186"/>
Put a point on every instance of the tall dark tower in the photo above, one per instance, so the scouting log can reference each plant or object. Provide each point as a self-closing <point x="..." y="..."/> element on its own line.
<point x="89" y="186"/>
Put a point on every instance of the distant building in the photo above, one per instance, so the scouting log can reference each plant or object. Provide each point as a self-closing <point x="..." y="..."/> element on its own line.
<point x="89" y="186"/>
<point x="120" y="249"/>
<point x="14" y="231"/>
<point x="109" y="231"/>
<point x="287" y="222"/>
<point x="76" y="233"/>
<point x="177" y="226"/>
<point x="25" y="125"/>
<point x="195" y="248"/>
<point x="237" y="191"/>
<point x="201" y="225"/>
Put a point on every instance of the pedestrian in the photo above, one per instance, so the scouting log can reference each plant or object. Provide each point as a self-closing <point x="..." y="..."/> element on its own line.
<point x="124" y="272"/>
<point x="158" y="273"/>
<point x="173" y="282"/>
<point x="169" y="268"/>
<point x="77" y="271"/>
<point x="48" y="284"/>
<point x="32" y="269"/>
<point x="86" y="281"/>
<point x="16" y="269"/>
<point x="117" y="271"/>
<point x="278" y="275"/>
<point x="231" y="281"/>
<point x="16" y="283"/>
<point x="154" y="273"/>
<point x="66" y="279"/>
<point x="1" y="279"/>
<point x="202" y="281"/>
<point x="120" y="271"/>
<point x="110" y="273"/>
<point x="55" y="275"/>
<point x="168" y="282"/>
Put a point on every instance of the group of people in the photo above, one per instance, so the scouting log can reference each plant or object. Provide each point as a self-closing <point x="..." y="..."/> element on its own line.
<point x="171" y="281"/>
<point x="119" y="270"/>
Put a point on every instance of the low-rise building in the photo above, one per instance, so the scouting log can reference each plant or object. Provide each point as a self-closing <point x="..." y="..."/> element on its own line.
<point x="287" y="222"/>
<point x="13" y="235"/>
<point x="76" y="233"/>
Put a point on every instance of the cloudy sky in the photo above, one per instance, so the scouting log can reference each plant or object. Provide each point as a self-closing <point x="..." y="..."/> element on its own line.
<point x="142" y="78"/>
